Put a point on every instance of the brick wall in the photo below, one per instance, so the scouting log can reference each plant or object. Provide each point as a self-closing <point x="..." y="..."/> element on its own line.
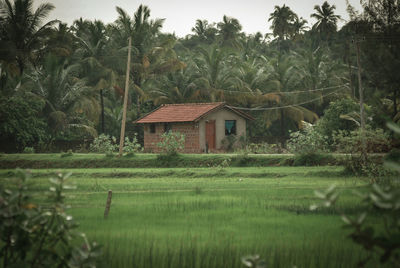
<point x="190" y="131"/>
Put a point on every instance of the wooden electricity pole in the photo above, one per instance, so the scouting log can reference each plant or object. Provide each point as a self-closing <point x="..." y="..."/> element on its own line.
<point x="360" y="89"/>
<point x="361" y="93"/>
<point x="128" y="65"/>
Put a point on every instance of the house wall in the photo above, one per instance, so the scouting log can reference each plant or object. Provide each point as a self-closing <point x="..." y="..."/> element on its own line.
<point x="220" y="116"/>
<point x="190" y="130"/>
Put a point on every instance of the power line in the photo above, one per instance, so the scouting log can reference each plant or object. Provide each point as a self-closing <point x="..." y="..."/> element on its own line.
<point x="281" y="107"/>
<point x="289" y="92"/>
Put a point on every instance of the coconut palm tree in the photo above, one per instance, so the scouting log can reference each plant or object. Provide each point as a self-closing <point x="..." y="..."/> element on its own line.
<point x="152" y="53"/>
<point x="70" y="104"/>
<point x="176" y="87"/>
<point x="326" y="24"/>
<point x="229" y="30"/>
<point x="317" y="70"/>
<point x="248" y="82"/>
<point x="22" y="30"/>
<point x="204" y="32"/>
<point x="282" y="23"/>
<point x="283" y="106"/>
<point x="95" y="58"/>
<point x="213" y="73"/>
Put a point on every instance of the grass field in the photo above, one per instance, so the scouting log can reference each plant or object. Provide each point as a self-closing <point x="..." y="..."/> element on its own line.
<point x="211" y="217"/>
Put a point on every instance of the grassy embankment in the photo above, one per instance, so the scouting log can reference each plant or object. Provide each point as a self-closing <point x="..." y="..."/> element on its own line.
<point x="152" y="160"/>
<point x="211" y="217"/>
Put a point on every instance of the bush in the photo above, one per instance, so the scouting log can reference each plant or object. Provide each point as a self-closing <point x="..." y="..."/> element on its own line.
<point x="104" y="144"/>
<point x="36" y="236"/>
<point x="264" y="148"/>
<point x="313" y="159"/>
<point x="29" y="150"/>
<point x="376" y="141"/>
<point x="131" y="147"/>
<point x="171" y="143"/>
<point x="331" y="120"/>
<point x="228" y="143"/>
<point x="21" y="120"/>
<point x="67" y="154"/>
<point x="360" y="162"/>
<point x="307" y="141"/>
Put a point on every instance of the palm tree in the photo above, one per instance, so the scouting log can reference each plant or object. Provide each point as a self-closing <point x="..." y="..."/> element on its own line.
<point x="21" y="29"/>
<point x="299" y="26"/>
<point x="213" y="73"/>
<point x="282" y="22"/>
<point x="248" y="83"/>
<point x="204" y="31"/>
<point x="317" y="70"/>
<point x="284" y="78"/>
<point x="326" y="24"/>
<point x="229" y="30"/>
<point x="70" y="104"/>
<point x="177" y="87"/>
<point x="94" y="58"/>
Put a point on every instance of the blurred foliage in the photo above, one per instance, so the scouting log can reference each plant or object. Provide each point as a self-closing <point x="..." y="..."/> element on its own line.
<point x="34" y="235"/>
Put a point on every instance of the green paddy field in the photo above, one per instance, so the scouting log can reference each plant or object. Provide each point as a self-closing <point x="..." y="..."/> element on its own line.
<point x="211" y="217"/>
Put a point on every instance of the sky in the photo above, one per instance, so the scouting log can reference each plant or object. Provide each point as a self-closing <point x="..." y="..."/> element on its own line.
<point x="180" y="15"/>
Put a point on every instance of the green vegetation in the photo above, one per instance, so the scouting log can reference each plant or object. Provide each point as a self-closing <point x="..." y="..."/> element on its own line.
<point x="212" y="217"/>
<point x="76" y="160"/>
<point x="38" y="235"/>
<point x="61" y="94"/>
<point x="62" y="85"/>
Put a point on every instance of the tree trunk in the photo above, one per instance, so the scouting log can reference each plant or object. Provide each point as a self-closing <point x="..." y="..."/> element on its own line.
<point x="128" y="65"/>
<point x="102" y="110"/>
<point x="282" y="128"/>
<point x="395" y="102"/>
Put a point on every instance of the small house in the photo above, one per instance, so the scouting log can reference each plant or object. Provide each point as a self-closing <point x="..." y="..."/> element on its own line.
<point x="204" y="125"/>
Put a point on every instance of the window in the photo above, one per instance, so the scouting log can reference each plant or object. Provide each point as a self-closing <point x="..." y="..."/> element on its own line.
<point x="230" y="127"/>
<point x="167" y="127"/>
<point x="152" y="128"/>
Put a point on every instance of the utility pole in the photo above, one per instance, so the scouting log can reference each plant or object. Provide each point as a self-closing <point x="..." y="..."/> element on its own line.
<point x="360" y="88"/>
<point x="128" y="65"/>
<point x="360" y="91"/>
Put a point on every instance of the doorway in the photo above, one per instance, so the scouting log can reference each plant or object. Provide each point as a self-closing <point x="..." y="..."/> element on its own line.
<point x="210" y="135"/>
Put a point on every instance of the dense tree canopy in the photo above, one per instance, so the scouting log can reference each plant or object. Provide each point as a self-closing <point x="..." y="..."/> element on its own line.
<point x="75" y="74"/>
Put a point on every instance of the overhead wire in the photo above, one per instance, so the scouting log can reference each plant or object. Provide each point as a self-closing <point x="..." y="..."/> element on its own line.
<point x="282" y="107"/>
<point x="289" y="92"/>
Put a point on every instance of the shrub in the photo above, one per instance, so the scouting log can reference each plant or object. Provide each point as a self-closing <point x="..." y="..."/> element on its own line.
<point x="131" y="147"/>
<point x="29" y="150"/>
<point x="331" y="120"/>
<point x="21" y="120"/>
<point x="264" y="148"/>
<point x="376" y="141"/>
<point x="228" y="143"/>
<point x="360" y="162"/>
<point x="104" y="144"/>
<point x="36" y="236"/>
<point x="171" y="143"/>
<point x="67" y="154"/>
<point x="307" y="141"/>
<point x="313" y="159"/>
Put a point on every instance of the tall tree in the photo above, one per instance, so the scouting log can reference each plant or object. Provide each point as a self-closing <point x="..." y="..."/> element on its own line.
<point x="284" y="107"/>
<point x="204" y="31"/>
<point x="22" y="31"/>
<point x="229" y="30"/>
<point x="213" y="74"/>
<point x="282" y="22"/>
<point x="69" y="103"/>
<point x="326" y="24"/>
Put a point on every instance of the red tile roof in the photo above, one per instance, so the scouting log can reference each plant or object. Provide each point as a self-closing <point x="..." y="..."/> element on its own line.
<point x="186" y="112"/>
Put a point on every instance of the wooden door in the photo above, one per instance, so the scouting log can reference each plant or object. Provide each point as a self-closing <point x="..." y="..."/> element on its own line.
<point x="210" y="134"/>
